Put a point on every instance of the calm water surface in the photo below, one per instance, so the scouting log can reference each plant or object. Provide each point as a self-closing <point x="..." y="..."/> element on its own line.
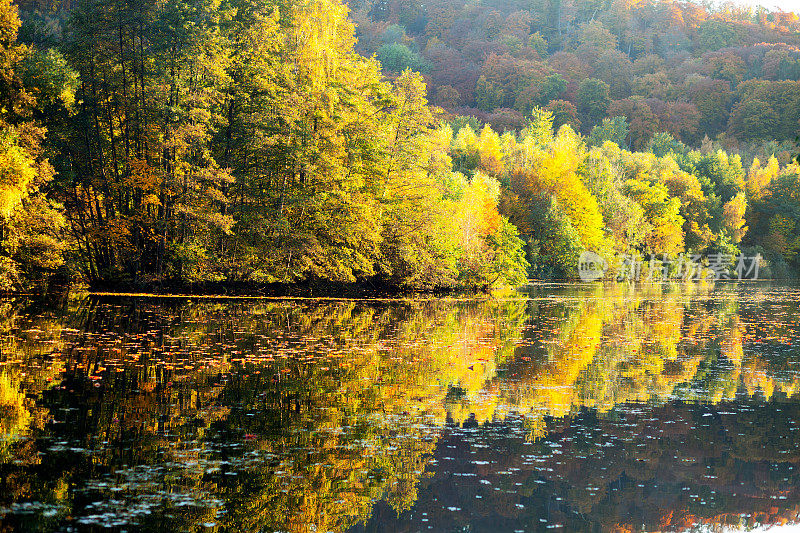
<point x="567" y="408"/>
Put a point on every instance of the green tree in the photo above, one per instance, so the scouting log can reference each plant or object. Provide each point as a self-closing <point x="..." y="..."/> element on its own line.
<point x="488" y="94"/>
<point x="398" y="57"/>
<point x="147" y="196"/>
<point x="552" y="88"/>
<point x="611" y="129"/>
<point x="593" y="100"/>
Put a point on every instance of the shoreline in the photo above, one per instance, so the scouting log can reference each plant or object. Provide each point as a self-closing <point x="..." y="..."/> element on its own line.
<point x="254" y="290"/>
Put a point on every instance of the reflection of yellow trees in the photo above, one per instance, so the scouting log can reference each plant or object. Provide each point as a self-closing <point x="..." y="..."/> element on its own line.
<point x="607" y="346"/>
<point x="552" y="385"/>
<point x="358" y="420"/>
<point x="26" y="341"/>
<point x="343" y="401"/>
<point x="14" y="414"/>
<point x="612" y="346"/>
<point x="640" y="356"/>
<point x="346" y="398"/>
<point x="23" y="371"/>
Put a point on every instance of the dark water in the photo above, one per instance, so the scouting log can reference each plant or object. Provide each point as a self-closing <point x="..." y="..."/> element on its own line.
<point x="571" y="408"/>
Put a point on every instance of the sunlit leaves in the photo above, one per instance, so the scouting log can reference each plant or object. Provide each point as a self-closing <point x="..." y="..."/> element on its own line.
<point x="17" y="173"/>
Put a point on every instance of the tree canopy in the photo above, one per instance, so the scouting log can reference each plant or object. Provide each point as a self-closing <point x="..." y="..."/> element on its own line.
<point x="279" y="142"/>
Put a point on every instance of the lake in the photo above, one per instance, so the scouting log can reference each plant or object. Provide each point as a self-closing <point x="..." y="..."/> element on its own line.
<point x="559" y="408"/>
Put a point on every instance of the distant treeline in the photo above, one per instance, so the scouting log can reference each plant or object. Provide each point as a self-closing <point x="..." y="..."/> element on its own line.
<point x="680" y="67"/>
<point x="242" y="142"/>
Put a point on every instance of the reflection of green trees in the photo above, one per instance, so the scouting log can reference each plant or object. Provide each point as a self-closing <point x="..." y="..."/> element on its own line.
<point x="292" y="414"/>
<point x="355" y="422"/>
<point x="340" y="399"/>
<point x="329" y="455"/>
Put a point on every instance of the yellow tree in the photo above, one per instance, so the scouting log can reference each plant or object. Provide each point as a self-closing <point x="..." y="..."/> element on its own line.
<point x="733" y="217"/>
<point x="553" y="172"/>
<point x="465" y="149"/>
<point x="694" y="208"/>
<point x="490" y="152"/>
<point x="30" y="226"/>
<point x="477" y="218"/>
<point x="759" y="178"/>
<point x="418" y="235"/>
<point x="665" y="233"/>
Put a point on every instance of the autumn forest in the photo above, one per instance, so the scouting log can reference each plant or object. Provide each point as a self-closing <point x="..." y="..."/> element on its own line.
<point x="402" y="144"/>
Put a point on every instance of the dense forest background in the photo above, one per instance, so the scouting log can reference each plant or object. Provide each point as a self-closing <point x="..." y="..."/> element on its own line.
<point x="694" y="71"/>
<point x="409" y="145"/>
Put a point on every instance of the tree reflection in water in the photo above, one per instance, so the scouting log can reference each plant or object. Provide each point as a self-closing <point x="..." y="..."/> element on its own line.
<point x="588" y="407"/>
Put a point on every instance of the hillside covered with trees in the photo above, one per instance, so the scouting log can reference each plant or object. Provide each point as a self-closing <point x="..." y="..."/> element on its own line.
<point x="665" y="66"/>
<point x="175" y="142"/>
